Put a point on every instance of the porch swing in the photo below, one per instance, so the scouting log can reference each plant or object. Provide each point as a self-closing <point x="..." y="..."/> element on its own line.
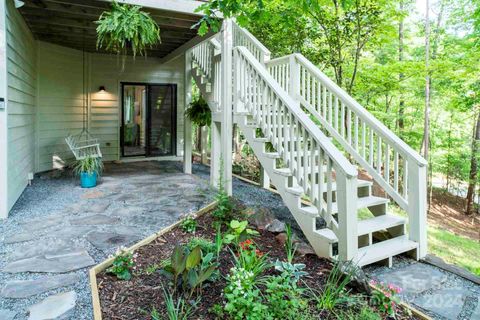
<point x="82" y="144"/>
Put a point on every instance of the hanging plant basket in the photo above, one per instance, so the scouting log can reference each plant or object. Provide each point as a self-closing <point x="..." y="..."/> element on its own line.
<point x="126" y="28"/>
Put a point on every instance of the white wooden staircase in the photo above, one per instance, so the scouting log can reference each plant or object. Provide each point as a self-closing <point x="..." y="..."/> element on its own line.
<point x="274" y="103"/>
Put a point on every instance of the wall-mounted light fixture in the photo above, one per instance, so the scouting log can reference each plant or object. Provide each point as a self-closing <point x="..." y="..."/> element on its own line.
<point x="19" y="3"/>
<point x="102" y="89"/>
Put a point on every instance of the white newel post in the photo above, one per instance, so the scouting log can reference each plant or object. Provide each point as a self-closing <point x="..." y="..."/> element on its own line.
<point x="417" y="205"/>
<point x="347" y="216"/>
<point x="226" y="103"/>
<point x="264" y="178"/>
<point x="187" y="126"/>
<point x="3" y="114"/>
<point x="215" y="154"/>
<point x="294" y="85"/>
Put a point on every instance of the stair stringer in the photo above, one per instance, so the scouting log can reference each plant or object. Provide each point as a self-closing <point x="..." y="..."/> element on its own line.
<point x="307" y="223"/>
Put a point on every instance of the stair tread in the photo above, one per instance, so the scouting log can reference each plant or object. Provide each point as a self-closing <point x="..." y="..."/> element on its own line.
<point x="272" y="155"/>
<point x="283" y="171"/>
<point x="385" y="249"/>
<point x="364" y="202"/>
<point x="295" y="190"/>
<point x="309" y="211"/>
<point x="379" y="223"/>
<point x="327" y="234"/>
<point x="360" y="183"/>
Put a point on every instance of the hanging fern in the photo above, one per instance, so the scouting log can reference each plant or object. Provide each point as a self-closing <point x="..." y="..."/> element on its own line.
<point x="126" y="27"/>
<point x="199" y="112"/>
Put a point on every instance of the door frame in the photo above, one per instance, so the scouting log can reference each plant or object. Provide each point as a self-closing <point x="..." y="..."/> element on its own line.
<point x="173" y="119"/>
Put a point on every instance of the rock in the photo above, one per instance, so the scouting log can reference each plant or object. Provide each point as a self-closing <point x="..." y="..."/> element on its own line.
<point x="18" y="289"/>
<point x="70" y="232"/>
<point x="7" y="314"/>
<point x="304" y="249"/>
<point x="53" y="307"/>
<point x="476" y="312"/>
<point x="99" y="207"/>
<point x="414" y="278"/>
<point x="107" y="240"/>
<point x="97" y="219"/>
<point x="129" y="211"/>
<point x="20" y="237"/>
<point x="95" y="194"/>
<point x="445" y="302"/>
<point x="262" y="218"/>
<point x="38" y="248"/>
<point x="57" y="262"/>
<point x="276" y="226"/>
<point x="281" y="238"/>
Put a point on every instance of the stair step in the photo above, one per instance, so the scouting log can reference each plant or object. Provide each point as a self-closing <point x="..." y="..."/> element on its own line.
<point x="286" y="172"/>
<point x="327" y="234"/>
<point x="379" y="223"/>
<point x="310" y="211"/>
<point x="364" y="202"/>
<point x="259" y="139"/>
<point x="295" y="190"/>
<point x="384" y="250"/>
<point x="272" y="155"/>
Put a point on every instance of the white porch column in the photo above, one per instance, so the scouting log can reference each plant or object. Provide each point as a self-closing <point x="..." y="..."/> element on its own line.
<point x="226" y="103"/>
<point x="3" y="114"/>
<point x="215" y="154"/>
<point x="187" y="124"/>
<point x="204" y="144"/>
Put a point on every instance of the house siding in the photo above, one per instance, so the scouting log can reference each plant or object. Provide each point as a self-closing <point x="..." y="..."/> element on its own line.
<point x="61" y="98"/>
<point x="21" y="102"/>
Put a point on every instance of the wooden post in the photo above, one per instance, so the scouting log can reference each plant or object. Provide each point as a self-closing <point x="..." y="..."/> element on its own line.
<point x="215" y="154"/>
<point x="187" y="133"/>
<point x="226" y="103"/>
<point x="417" y="206"/>
<point x="294" y="85"/>
<point x="3" y="114"/>
<point x="347" y="216"/>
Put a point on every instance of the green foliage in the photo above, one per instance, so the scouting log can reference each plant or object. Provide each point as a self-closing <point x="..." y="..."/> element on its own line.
<point x="224" y="211"/>
<point x="243" y="298"/>
<point x="181" y="310"/>
<point x="335" y="292"/>
<point x="89" y="165"/>
<point x="239" y="232"/>
<point x="199" y="112"/>
<point x="251" y="259"/>
<point x="206" y="245"/>
<point x="122" y="265"/>
<point x="189" y="225"/>
<point x="294" y="271"/>
<point x="190" y="269"/>
<point x="125" y="27"/>
<point x="385" y="298"/>
<point x="290" y="247"/>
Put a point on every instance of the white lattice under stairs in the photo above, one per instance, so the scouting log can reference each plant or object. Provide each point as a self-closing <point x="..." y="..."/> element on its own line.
<point x="274" y="103"/>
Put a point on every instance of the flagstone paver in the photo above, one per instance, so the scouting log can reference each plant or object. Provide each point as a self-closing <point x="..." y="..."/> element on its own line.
<point x="25" y="288"/>
<point x="105" y="240"/>
<point x="97" y="219"/>
<point x="7" y="314"/>
<point x="445" y="302"/>
<point x="56" y="262"/>
<point x="53" y="307"/>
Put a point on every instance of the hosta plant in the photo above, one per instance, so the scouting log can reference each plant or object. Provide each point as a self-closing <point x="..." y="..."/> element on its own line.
<point x="126" y="27"/>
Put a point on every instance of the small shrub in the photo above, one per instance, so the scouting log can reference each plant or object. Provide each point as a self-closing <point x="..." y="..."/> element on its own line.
<point x="384" y="297"/>
<point x="224" y="211"/>
<point x="206" y="245"/>
<point x="250" y="258"/>
<point x="154" y="267"/>
<point x="290" y="247"/>
<point x="189" y="225"/>
<point x="294" y="271"/>
<point x="181" y="310"/>
<point x="123" y="264"/>
<point x="243" y="298"/>
<point x="239" y="232"/>
<point x="284" y="297"/>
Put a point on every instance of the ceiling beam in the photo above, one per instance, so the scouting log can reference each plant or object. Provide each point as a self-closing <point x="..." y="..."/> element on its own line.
<point x="182" y="6"/>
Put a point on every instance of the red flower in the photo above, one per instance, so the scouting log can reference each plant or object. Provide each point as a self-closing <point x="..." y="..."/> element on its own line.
<point x="246" y="245"/>
<point x="258" y="253"/>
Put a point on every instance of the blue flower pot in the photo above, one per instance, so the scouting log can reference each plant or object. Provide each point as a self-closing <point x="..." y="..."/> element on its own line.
<point x="88" y="180"/>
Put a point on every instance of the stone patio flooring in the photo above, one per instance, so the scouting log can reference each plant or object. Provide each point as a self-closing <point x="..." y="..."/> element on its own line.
<point x="58" y="230"/>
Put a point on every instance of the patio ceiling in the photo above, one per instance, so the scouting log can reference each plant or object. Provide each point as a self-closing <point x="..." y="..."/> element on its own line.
<point x="70" y="23"/>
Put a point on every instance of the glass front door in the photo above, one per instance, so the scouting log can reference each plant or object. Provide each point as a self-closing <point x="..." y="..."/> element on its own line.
<point x="148" y="120"/>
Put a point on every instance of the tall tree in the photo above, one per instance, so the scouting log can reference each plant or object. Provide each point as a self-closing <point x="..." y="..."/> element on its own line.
<point x="401" y="76"/>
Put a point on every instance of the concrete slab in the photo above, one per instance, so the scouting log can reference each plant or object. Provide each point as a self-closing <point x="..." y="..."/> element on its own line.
<point x="447" y="303"/>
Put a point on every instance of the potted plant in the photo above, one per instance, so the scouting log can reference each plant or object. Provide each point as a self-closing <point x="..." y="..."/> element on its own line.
<point x="89" y="169"/>
<point x="126" y="27"/>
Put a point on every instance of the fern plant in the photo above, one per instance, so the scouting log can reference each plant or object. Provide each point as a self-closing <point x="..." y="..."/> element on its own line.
<point x="126" y="27"/>
<point x="199" y="112"/>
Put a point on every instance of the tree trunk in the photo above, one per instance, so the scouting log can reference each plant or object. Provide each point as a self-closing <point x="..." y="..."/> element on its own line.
<point x="472" y="183"/>
<point x="401" y="76"/>
<point x="426" y="129"/>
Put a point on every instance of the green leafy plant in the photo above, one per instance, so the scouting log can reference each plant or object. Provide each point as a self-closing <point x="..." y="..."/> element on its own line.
<point x="335" y="292"/>
<point x="181" y="310"/>
<point x="284" y="297"/>
<point x="218" y="241"/>
<point x="206" y="245"/>
<point x="189" y="225"/>
<point x="122" y="264"/>
<point x="199" y="112"/>
<point x="126" y="27"/>
<point x="239" y="232"/>
<point x="294" y="271"/>
<point x="290" y="247"/>
<point x="190" y="269"/>
<point x="250" y="258"/>
<point x="224" y="211"/>
<point x="89" y="165"/>
<point x="384" y="297"/>
<point x="243" y="298"/>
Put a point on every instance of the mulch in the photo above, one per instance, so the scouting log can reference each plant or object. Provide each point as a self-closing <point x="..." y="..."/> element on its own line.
<point x="135" y="299"/>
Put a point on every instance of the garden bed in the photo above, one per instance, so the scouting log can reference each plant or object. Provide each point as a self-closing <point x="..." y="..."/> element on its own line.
<point x="146" y="290"/>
